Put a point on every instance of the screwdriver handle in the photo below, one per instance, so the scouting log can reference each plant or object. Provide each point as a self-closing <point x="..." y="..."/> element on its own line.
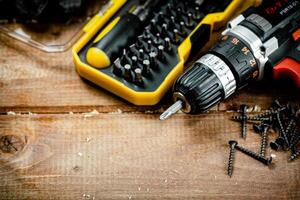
<point x="120" y="33"/>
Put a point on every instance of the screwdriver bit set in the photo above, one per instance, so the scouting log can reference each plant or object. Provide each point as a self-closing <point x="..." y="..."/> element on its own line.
<point x="137" y="49"/>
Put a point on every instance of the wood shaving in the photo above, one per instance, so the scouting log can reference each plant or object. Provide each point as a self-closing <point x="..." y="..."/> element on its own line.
<point x="273" y="156"/>
<point x="80" y="154"/>
<point x="118" y="111"/>
<point x="11" y="113"/>
<point x="88" y="139"/>
<point x="91" y="114"/>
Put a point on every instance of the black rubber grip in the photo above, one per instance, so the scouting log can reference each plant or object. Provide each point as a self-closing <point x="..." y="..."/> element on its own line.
<point x="122" y="35"/>
<point x="201" y="87"/>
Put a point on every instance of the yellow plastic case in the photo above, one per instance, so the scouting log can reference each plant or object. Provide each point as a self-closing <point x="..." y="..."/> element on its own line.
<point x="213" y="22"/>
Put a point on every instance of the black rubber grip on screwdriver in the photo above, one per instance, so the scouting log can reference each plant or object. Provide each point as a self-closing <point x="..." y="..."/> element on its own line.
<point x="107" y="49"/>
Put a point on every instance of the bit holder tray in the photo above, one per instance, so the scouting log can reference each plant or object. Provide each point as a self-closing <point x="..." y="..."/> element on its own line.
<point x="146" y="69"/>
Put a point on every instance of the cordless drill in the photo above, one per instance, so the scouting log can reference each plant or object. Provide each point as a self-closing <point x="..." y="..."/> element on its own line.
<point x="262" y="41"/>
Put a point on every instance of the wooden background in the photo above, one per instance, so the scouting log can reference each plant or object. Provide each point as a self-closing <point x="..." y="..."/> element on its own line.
<point x="64" y="138"/>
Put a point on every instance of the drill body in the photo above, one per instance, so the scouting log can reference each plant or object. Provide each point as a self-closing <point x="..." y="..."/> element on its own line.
<point x="262" y="41"/>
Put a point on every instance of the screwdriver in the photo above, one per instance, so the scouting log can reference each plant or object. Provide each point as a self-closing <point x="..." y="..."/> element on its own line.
<point x="121" y="32"/>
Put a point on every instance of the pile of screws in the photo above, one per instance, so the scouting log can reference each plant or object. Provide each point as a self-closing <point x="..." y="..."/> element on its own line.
<point x="283" y="119"/>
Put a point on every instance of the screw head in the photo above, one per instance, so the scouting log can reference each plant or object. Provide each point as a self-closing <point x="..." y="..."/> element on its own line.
<point x="280" y="141"/>
<point x="257" y="128"/>
<point x="232" y="143"/>
<point x="274" y="146"/>
<point x="276" y="104"/>
<point x="260" y="128"/>
<point x="244" y="108"/>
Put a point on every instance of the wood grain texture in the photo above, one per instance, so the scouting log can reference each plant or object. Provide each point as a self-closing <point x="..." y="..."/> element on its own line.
<point x="52" y="147"/>
<point x="133" y="156"/>
<point x="33" y="81"/>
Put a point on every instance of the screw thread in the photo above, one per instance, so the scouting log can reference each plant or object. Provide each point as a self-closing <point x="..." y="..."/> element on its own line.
<point x="281" y="129"/>
<point x="294" y="142"/>
<point x="250" y="118"/>
<point x="256" y="156"/>
<point x="288" y="128"/>
<point x="263" y="115"/>
<point x="264" y="143"/>
<point x="244" y="129"/>
<point x="230" y="162"/>
<point x="269" y="113"/>
<point x="293" y="136"/>
<point x="295" y="156"/>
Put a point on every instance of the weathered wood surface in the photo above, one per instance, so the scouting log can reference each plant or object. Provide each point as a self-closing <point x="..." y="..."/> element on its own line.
<point x="51" y="147"/>
<point x="123" y="156"/>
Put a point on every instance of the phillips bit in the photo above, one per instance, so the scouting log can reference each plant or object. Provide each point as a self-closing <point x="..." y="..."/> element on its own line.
<point x="147" y="34"/>
<point x="117" y="68"/>
<point x="127" y="72"/>
<point x="190" y="21"/>
<point x="148" y="48"/>
<point x="171" y="110"/>
<point x="164" y="30"/>
<point x="169" y="8"/>
<point x="157" y="39"/>
<point x="138" y="76"/>
<point x="179" y="11"/>
<point x="176" y="37"/>
<point x="172" y="22"/>
<point x="141" y="53"/>
<point x="146" y="68"/>
<point x="153" y="26"/>
<point x="160" y="17"/>
<point x="124" y="59"/>
<point x="197" y="14"/>
<point x="161" y="54"/>
<point x="153" y="63"/>
<point x="168" y="44"/>
<point x="134" y="60"/>
<point x="139" y="42"/>
<point x="182" y="30"/>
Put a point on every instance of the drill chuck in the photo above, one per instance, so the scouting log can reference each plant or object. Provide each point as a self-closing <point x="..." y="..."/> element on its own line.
<point x="209" y="81"/>
<point x="227" y="67"/>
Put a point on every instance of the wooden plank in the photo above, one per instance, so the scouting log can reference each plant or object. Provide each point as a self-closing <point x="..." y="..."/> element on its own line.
<point x="135" y="156"/>
<point x="33" y="81"/>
